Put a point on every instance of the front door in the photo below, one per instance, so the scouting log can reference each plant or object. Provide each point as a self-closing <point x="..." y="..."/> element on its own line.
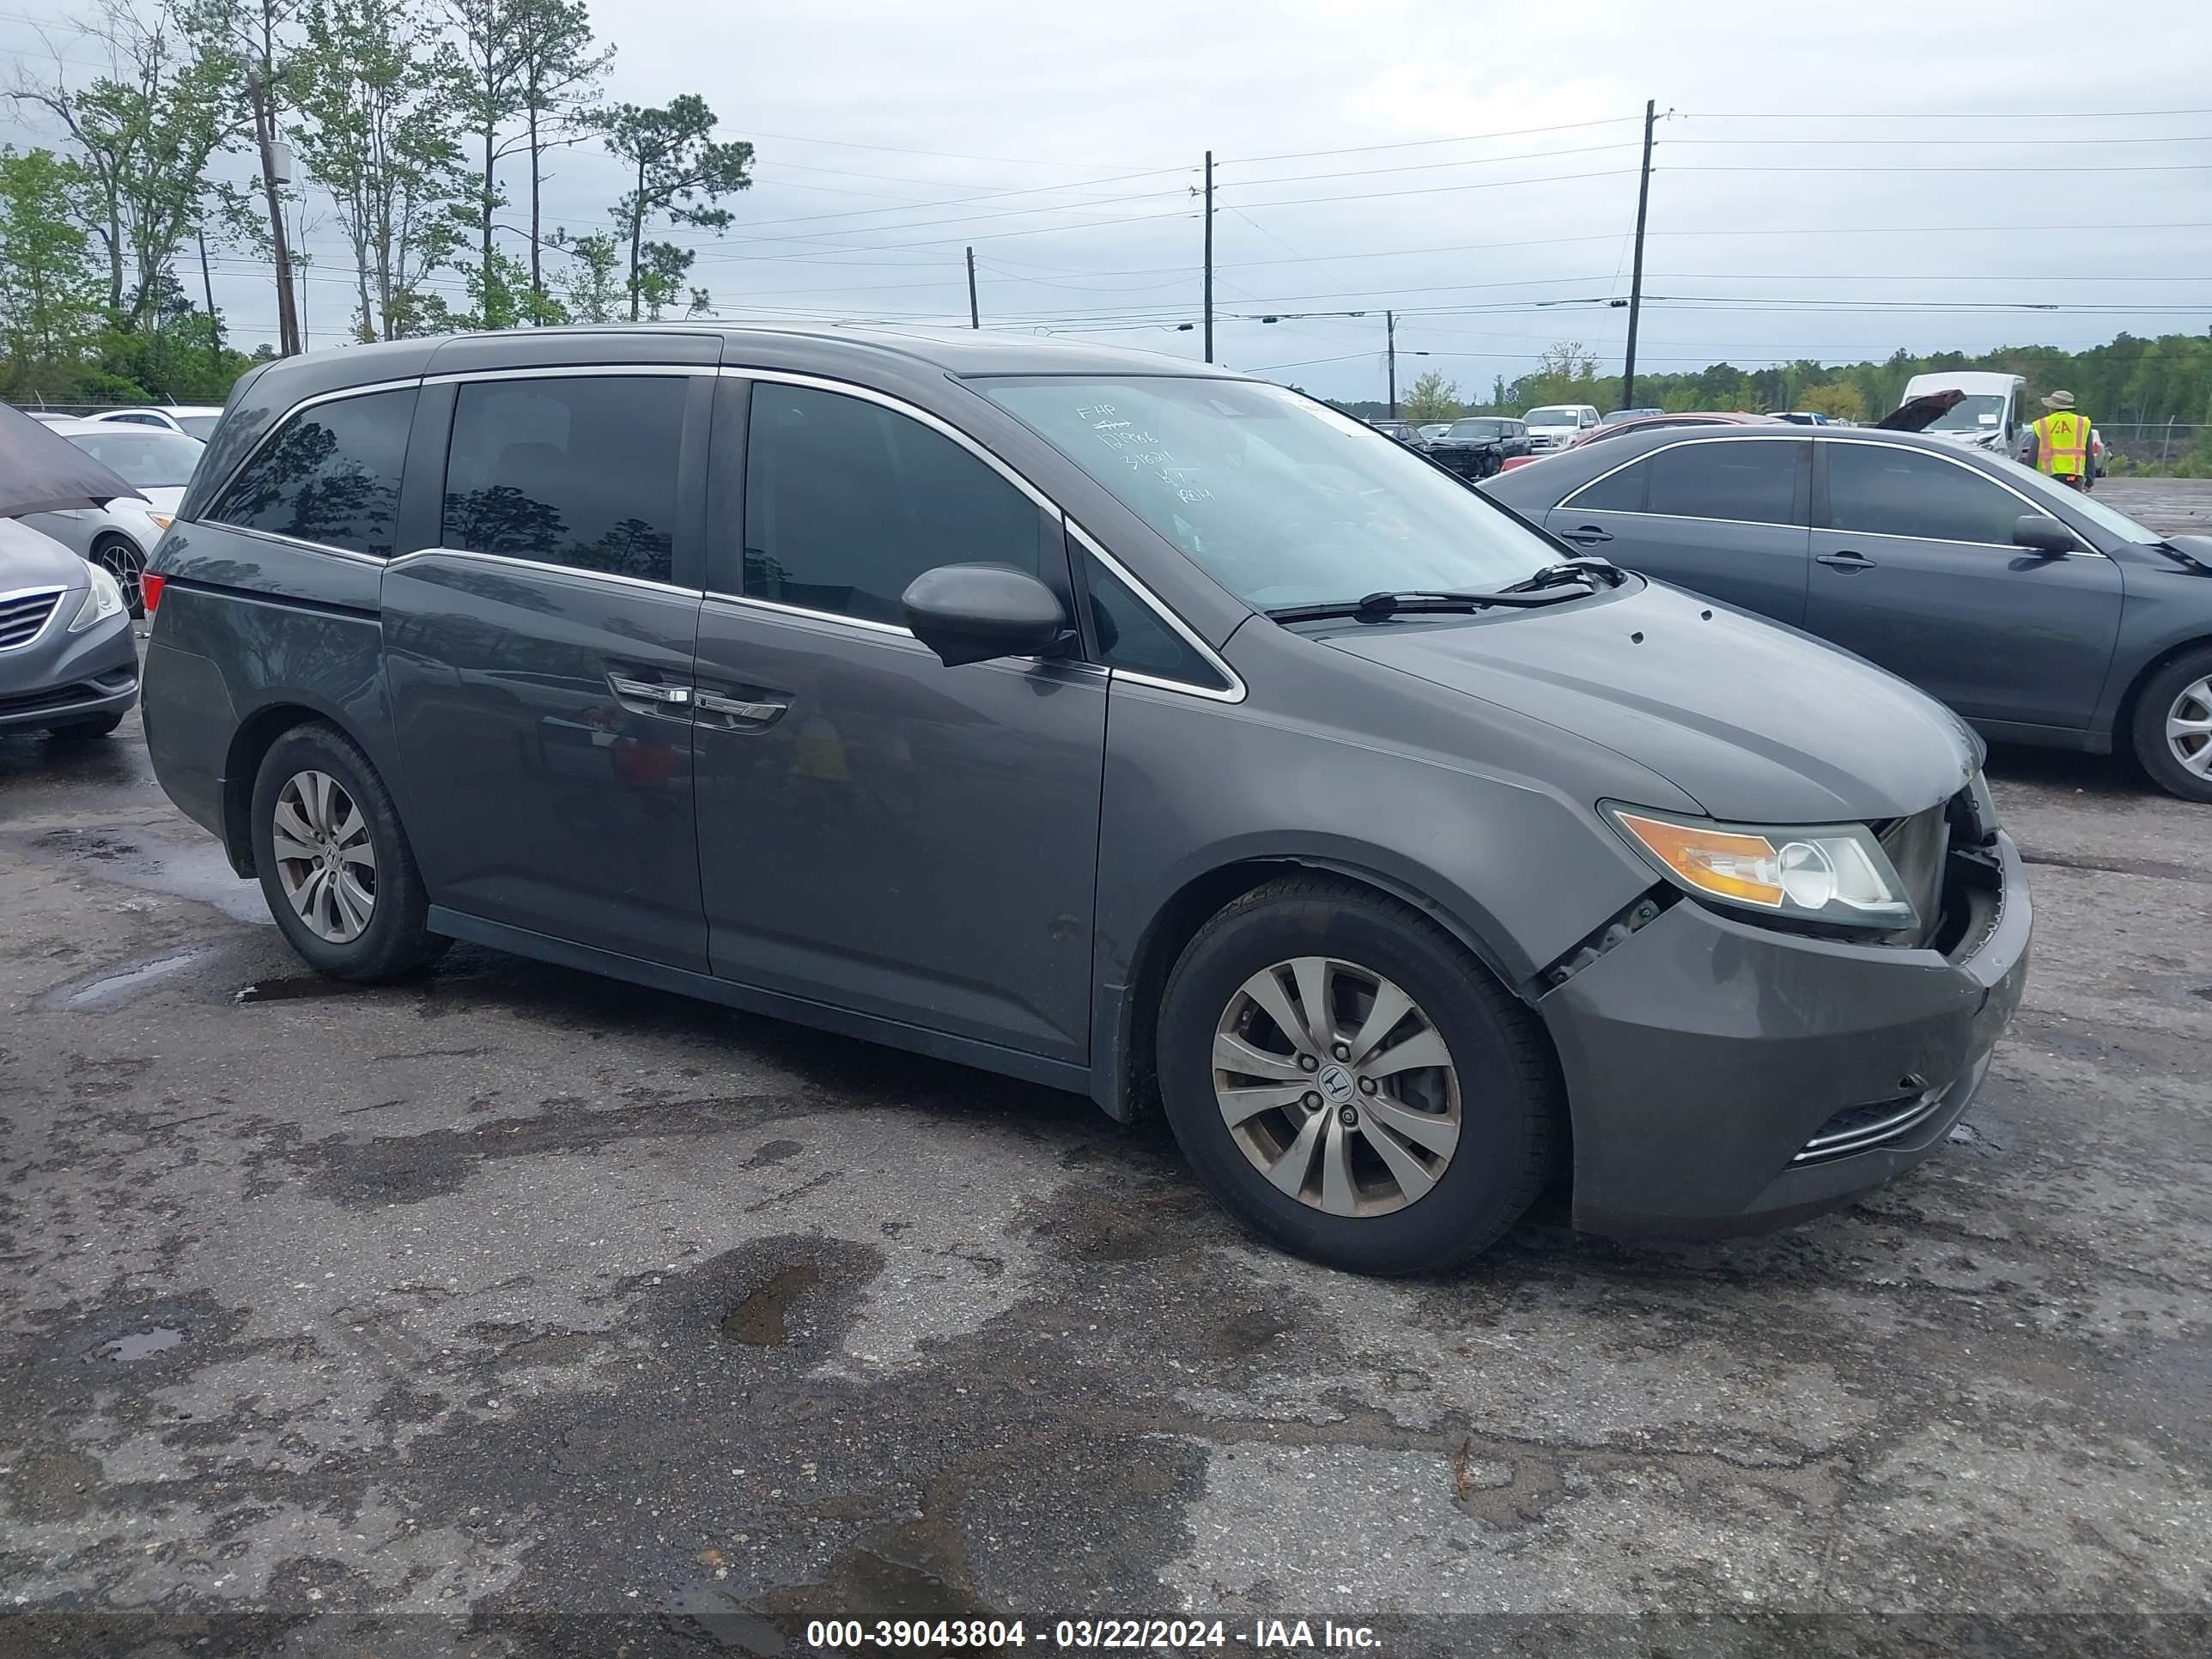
<point x="1914" y="566"/>
<point x="877" y="831"/>
<point x="1724" y="517"/>
<point x="539" y="662"/>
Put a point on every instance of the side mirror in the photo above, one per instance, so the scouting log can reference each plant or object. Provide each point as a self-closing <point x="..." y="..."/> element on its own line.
<point x="2043" y="535"/>
<point x="979" y="612"/>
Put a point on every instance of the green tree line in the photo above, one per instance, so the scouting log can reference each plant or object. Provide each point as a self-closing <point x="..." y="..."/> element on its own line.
<point x="423" y="129"/>
<point x="2131" y="386"/>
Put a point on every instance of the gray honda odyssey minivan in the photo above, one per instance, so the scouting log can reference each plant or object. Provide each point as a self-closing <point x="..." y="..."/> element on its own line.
<point x="1119" y="724"/>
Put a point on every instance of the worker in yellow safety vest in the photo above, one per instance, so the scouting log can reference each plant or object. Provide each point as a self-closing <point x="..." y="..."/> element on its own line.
<point x="2058" y="443"/>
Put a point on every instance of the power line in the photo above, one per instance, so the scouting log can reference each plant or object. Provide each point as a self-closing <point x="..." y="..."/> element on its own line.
<point x="1947" y="166"/>
<point x="1430" y="166"/>
<point x="1435" y="190"/>
<point x="1933" y="115"/>
<point x="1420" y="143"/>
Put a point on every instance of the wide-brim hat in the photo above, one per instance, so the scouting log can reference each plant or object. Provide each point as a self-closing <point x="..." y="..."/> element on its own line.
<point x="2059" y="400"/>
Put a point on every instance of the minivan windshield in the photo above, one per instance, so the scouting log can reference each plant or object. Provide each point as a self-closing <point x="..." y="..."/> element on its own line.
<point x="1551" y="417"/>
<point x="1278" y="498"/>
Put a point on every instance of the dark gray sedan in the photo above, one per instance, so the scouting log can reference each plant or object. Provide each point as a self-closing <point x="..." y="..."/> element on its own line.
<point x="2041" y="615"/>
<point x="68" y="664"/>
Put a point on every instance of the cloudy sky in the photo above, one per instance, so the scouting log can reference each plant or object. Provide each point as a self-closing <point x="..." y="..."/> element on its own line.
<point x="1829" y="182"/>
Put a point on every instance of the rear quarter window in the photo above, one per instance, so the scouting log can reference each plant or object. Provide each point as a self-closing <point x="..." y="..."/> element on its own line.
<point x="328" y="474"/>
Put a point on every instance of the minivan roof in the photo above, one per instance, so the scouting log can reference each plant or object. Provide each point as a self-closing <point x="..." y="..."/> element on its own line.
<point x="959" y="351"/>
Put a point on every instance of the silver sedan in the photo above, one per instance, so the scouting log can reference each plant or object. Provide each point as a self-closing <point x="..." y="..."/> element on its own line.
<point x="120" y="538"/>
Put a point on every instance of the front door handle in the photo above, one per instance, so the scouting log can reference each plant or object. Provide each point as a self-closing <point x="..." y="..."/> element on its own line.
<point x="649" y="691"/>
<point x="737" y="708"/>
<point x="1588" y="535"/>
<point x="1845" y="560"/>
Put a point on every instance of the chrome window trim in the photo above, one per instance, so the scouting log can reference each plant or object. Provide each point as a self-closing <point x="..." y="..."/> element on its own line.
<point x="1236" y="693"/>
<point x="1964" y="465"/>
<point x="367" y="389"/>
<point x="294" y="542"/>
<point x="543" y="565"/>
<point x="864" y="624"/>
<point x="59" y="591"/>
<point x="564" y="372"/>
<point x="1793" y="437"/>
<point x="936" y="424"/>
<point x="1236" y="690"/>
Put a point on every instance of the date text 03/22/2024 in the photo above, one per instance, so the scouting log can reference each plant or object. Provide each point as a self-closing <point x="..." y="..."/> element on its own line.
<point x="1288" y="1636"/>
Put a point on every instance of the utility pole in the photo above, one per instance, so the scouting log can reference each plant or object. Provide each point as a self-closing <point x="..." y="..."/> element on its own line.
<point x="974" y="318"/>
<point x="1209" y="255"/>
<point x="1390" y="352"/>
<point x="1636" y="280"/>
<point x="264" y="117"/>
<point x="215" y="323"/>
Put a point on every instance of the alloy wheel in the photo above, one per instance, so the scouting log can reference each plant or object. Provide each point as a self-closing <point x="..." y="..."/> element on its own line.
<point x="1336" y="1086"/>
<point x="326" y="861"/>
<point x="2189" y="727"/>
<point x="126" y="565"/>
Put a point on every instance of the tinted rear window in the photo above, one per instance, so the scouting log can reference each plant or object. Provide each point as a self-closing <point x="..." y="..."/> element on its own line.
<point x="578" y="472"/>
<point x="329" y="475"/>
<point x="1755" y="483"/>
<point x="1618" y="492"/>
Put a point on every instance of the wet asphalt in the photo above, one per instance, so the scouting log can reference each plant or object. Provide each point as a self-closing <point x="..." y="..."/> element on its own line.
<point x="516" y="1311"/>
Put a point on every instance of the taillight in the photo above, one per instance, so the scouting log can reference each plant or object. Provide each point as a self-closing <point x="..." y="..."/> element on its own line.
<point x="149" y="591"/>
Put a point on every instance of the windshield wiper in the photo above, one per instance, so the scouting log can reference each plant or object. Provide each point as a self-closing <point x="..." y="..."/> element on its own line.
<point x="1588" y="568"/>
<point x="1380" y="607"/>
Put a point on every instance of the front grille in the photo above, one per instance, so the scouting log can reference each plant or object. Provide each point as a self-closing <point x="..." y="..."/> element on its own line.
<point x="1855" y="1128"/>
<point x="23" y="615"/>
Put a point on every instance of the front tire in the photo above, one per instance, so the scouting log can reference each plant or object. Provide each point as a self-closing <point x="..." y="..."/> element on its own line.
<point x="123" y="561"/>
<point x="1351" y="1083"/>
<point x="334" y="862"/>
<point x="2173" y="726"/>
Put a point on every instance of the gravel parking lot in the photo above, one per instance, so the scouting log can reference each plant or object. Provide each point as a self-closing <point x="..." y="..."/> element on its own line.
<point x="518" y="1311"/>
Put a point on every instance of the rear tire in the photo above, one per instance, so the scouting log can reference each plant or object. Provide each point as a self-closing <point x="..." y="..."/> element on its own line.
<point x="2172" y="730"/>
<point x="1406" y="1166"/>
<point x="334" y="862"/>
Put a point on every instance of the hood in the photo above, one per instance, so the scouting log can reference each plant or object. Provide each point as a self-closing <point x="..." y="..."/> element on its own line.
<point x="164" y="499"/>
<point x="1918" y="413"/>
<point x="29" y="558"/>
<point x="1757" y="723"/>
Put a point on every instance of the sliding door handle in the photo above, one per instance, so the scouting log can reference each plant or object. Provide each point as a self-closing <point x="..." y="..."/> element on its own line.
<point x="649" y="691"/>
<point x="736" y="708"/>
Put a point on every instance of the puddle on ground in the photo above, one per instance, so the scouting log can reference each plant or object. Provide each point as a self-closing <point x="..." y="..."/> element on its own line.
<point x="139" y="1344"/>
<point x="113" y="989"/>
<point x="757" y="1321"/>
<point x="143" y="857"/>
<point x="299" y="987"/>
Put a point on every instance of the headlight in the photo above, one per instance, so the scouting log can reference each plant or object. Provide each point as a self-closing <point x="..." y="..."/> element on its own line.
<point x="1833" y="873"/>
<point x="105" y="600"/>
<point x="162" y="521"/>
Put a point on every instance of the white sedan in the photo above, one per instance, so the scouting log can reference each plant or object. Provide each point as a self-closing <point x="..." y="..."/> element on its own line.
<point x="193" y="420"/>
<point x="120" y="538"/>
